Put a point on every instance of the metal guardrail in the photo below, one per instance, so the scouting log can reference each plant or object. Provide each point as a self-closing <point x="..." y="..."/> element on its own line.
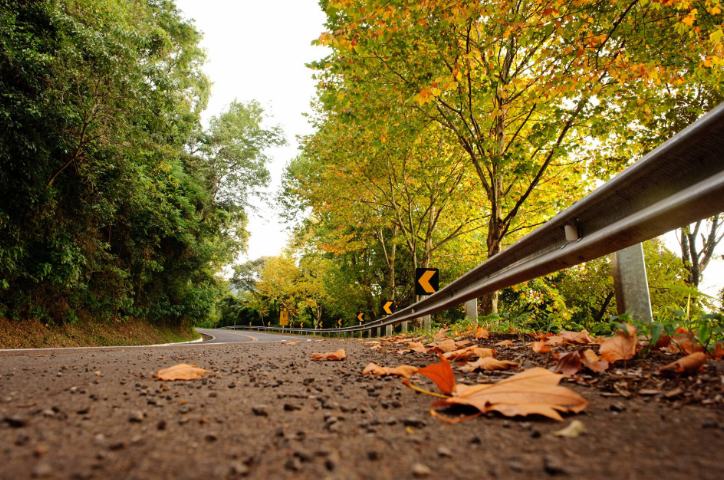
<point x="678" y="183"/>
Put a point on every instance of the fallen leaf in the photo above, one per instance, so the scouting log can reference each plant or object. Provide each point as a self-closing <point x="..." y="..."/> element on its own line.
<point x="488" y="363"/>
<point x="570" y="338"/>
<point x="441" y="374"/>
<point x="686" y="341"/>
<point x="573" y="430"/>
<point x="621" y="346"/>
<point x="504" y="343"/>
<point x="417" y="347"/>
<point x="540" y="347"/>
<point x="440" y="335"/>
<point x="688" y="364"/>
<point x="469" y="352"/>
<point x="592" y="361"/>
<point x="402" y="371"/>
<point x="481" y="333"/>
<point x="718" y="351"/>
<point x="568" y="364"/>
<point x="333" y="356"/>
<point x="444" y="346"/>
<point x="182" y="371"/>
<point x="533" y="391"/>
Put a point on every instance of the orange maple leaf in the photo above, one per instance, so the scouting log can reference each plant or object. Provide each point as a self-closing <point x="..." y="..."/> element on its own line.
<point x="441" y="374"/>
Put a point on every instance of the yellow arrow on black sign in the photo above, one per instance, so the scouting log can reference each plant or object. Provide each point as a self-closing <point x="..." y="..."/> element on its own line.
<point x="388" y="307"/>
<point x="427" y="281"/>
<point x="361" y="316"/>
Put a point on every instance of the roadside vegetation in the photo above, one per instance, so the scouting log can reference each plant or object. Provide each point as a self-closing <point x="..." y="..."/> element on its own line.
<point x="444" y="132"/>
<point x="116" y="202"/>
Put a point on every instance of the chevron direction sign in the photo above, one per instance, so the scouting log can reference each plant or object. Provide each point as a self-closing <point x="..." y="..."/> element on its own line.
<point x="427" y="281"/>
<point x="361" y="316"/>
<point x="388" y="307"/>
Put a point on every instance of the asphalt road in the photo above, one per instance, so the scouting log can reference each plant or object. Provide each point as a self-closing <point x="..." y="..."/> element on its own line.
<point x="266" y="411"/>
<point x="221" y="335"/>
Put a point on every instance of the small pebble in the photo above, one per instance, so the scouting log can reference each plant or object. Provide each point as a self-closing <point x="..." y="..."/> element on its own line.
<point x="260" y="411"/>
<point x="444" y="452"/>
<point x="421" y="470"/>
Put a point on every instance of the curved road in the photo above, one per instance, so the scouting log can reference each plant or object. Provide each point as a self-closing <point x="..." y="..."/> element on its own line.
<point x="222" y="335"/>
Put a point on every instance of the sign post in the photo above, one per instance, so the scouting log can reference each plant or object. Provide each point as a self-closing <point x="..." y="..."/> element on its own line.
<point x="427" y="282"/>
<point x="283" y="317"/>
<point x="389" y="308"/>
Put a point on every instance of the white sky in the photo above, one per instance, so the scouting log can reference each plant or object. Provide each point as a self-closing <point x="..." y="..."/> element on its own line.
<point x="257" y="49"/>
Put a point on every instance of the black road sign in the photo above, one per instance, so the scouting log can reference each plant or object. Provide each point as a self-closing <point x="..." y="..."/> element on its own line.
<point x="427" y="281"/>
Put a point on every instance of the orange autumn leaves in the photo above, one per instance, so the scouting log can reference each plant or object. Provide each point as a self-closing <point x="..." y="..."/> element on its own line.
<point x="533" y="391"/>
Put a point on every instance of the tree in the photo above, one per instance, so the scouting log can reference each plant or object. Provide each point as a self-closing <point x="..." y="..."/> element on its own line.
<point x="115" y="201"/>
<point x="698" y="242"/>
<point x="521" y="85"/>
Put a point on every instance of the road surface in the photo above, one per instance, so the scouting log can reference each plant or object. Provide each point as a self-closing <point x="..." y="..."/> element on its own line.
<point x="267" y="412"/>
<point x="223" y="335"/>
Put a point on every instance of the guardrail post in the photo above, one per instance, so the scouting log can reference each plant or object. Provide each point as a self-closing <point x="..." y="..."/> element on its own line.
<point x="388" y="330"/>
<point x="404" y="326"/>
<point x="471" y="310"/>
<point x="630" y="283"/>
<point x="379" y="331"/>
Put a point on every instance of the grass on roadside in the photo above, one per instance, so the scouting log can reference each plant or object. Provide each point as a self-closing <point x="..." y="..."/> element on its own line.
<point x="87" y="333"/>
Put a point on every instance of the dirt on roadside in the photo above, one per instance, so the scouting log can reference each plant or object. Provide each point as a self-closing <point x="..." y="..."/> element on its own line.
<point x="267" y="411"/>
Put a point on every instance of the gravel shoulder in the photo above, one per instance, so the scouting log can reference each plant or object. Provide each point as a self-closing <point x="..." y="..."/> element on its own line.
<point x="269" y="412"/>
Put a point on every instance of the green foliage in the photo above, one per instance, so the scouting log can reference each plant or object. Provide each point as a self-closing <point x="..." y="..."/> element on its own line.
<point x="114" y="199"/>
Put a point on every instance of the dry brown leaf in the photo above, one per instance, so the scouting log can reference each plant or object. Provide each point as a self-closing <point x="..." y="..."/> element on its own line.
<point x="182" y="371"/>
<point x="570" y="338"/>
<point x="332" y="356"/>
<point x="469" y="352"/>
<point x="688" y="364"/>
<point x="686" y="341"/>
<point x="481" y="333"/>
<point x="444" y="346"/>
<point x="440" y="335"/>
<point x="568" y="364"/>
<point x="718" y="351"/>
<point x="488" y="363"/>
<point x="540" y="347"/>
<point x="533" y="391"/>
<point x="592" y="361"/>
<point x="404" y="371"/>
<point x="417" y="347"/>
<point x="621" y="346"/>
<point x="504" y="343"/>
